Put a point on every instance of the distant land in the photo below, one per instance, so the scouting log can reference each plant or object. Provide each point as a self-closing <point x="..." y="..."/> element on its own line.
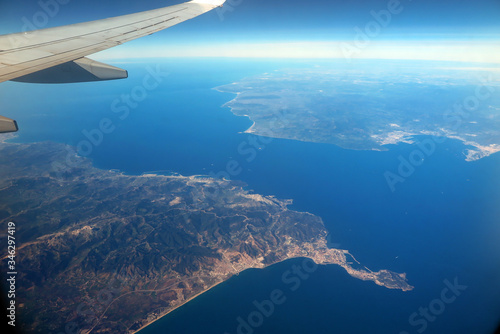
<point x="103" y="252"/>
<point x="376" y="103"/>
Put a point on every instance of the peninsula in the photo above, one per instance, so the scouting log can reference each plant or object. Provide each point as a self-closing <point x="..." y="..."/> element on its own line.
<point x="373" y="104"/>
<point x="103" y="252"/>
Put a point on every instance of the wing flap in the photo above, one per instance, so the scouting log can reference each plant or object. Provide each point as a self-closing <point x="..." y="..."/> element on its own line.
<point x="80" y="70"/>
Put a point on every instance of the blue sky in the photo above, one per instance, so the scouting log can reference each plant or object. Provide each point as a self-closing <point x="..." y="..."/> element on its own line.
<point x="294" y="28"/>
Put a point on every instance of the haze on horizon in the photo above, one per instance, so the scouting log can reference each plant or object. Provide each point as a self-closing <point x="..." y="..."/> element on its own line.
<point x="380" y="29"/>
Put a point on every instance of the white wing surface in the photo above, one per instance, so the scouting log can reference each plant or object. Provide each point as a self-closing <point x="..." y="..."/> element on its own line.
<point x="57" y="55"/>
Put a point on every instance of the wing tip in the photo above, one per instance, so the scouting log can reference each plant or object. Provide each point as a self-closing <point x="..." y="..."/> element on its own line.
<point x="8" y="125"/>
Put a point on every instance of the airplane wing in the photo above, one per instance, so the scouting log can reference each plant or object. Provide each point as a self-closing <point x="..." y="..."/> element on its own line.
<point x="57" y="55"/>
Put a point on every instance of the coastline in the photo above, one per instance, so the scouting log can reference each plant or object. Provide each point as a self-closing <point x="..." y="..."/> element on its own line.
<point x="357" y="274"/>
<point x="176" y="307"/>
<point x="247" y="94"/>
<point x="313" y="246"/>
<point x="7" y="136"/>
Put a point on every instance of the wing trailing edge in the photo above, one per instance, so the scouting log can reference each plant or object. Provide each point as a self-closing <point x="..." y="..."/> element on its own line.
<point x="80" y="70"/>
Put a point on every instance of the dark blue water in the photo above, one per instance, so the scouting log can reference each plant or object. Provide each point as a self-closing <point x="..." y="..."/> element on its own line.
<point x="442" y="223"/>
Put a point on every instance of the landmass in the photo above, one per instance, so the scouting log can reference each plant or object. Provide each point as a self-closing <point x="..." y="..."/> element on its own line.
<point x="373" y="104"/>
<point x="103" y="252"/>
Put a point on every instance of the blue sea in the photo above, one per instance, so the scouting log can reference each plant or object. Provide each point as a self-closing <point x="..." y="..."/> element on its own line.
<point x="441" y="226"/>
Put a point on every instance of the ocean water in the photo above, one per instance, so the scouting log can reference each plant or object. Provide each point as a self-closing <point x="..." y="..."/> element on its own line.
<point x="441" y="224"/>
